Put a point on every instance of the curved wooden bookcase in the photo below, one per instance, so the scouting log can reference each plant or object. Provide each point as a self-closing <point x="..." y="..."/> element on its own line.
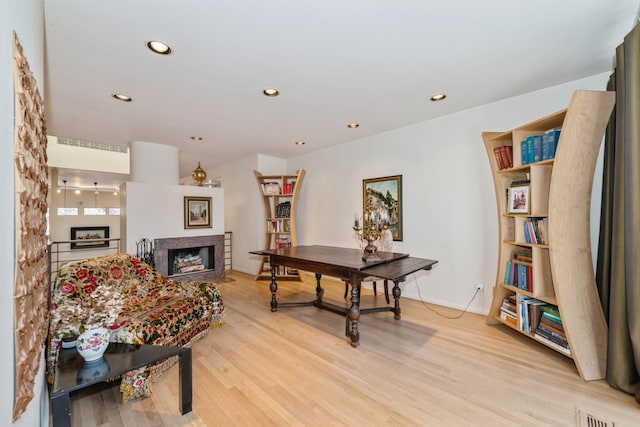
<point x="560" y="190"/>
<point x="279" y="227"/>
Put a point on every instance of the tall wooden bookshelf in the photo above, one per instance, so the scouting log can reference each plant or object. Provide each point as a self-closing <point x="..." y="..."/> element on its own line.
<point x="560" y="194"/>
<point x="279" y="195"/>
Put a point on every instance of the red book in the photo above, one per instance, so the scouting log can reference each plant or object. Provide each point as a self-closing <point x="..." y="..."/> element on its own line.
<point x="499" y="159"/>
<point x="508" y="154"/>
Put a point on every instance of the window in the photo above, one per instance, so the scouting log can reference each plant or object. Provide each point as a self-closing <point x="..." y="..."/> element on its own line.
<point x="95" y="211"/>
<point x="114" y="211"/>
<point x="67" y="211"/>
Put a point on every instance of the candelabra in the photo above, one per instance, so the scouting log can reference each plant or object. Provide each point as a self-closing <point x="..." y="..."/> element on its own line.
<point x="370" y="230"/>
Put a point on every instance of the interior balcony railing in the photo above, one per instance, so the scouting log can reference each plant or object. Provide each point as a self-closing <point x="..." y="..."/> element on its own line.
<point x="63" y="252"/>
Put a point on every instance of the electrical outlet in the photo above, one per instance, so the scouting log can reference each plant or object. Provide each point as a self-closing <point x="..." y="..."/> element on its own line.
<point x="480" y="287"/>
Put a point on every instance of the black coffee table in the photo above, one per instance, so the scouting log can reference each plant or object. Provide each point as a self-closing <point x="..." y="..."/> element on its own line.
<point x="73" y="374"/>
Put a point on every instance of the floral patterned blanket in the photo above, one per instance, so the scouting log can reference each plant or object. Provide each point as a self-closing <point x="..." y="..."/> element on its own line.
<point x="139" y="305"/>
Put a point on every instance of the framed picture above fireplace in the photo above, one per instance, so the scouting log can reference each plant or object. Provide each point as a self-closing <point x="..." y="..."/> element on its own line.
<point x="197" y="212"/>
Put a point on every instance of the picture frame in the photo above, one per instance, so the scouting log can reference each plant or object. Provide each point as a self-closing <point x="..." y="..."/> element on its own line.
<point x="91" y="234"/>
<point x="197" y="212"/>
<point x="385" y="195"/>
<point x="272" y="188"/>
<point x="518" y="199"/>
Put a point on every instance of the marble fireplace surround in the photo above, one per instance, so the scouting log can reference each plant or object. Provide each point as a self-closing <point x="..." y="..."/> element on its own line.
<point x="161" y="256"/>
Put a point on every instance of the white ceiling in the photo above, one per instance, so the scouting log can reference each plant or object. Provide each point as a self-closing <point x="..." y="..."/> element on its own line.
<point x="373" y="62"/>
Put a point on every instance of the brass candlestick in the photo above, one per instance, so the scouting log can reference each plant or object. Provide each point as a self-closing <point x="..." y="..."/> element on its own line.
<point x="370" y="230"/>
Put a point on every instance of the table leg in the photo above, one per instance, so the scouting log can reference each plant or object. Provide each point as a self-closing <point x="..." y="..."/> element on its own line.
<point x="61" y="410"/>
<point x="186" y="379"/>
<point x="273" y="287"/>
<point x="354" y="311"/>
<point x="396" y="299"/>
<point x="319" y="290"/>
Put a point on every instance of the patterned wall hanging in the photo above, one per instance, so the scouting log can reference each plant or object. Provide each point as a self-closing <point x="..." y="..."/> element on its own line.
<point x="31" y="287"/>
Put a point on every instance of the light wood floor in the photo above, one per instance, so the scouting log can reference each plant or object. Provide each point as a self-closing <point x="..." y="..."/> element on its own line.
<point x="295" y="367"/>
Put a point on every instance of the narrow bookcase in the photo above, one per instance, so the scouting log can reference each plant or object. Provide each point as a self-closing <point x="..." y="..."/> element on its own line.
<point x="561" y="279"/>
<point x="279" y="195"/>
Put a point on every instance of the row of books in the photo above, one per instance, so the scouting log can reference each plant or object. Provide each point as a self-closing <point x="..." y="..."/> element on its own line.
<point x="280" y="269"/>
<point x="508" y="311"/>
<point x="536" y="231"/>
<point x="504" y="156"/>
<point x="519" y="271"/>
<point x="273" y="188"/>
<point x="283" y="210"/>
<point x="278" y="226"/>
<point x="550" y="329"/>
<point x="537" y="148"/>
<point x="282" y="242"/>
<point x="535" y="317"/>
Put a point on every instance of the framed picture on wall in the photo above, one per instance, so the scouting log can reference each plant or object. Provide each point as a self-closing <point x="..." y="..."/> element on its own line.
<point x="89" y="237"/>
<point x="197" y="212"/>
<point x="385" y="196"/>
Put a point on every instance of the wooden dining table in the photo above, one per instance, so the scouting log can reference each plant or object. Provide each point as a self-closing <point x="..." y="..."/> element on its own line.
<point x="348" y="265"/>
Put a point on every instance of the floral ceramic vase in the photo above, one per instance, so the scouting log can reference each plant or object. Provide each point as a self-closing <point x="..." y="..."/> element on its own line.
<point x="92" y="343"/>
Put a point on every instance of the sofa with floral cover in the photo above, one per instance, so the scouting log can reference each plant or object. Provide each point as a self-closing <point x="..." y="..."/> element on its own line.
<point x="139" y="305"/>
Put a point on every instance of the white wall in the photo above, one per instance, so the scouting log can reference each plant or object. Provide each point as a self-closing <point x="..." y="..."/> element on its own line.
<point x="449" y="208"/>
<point x="83" y="158"/>
<point x="27" y="19"/>
<point x="157" y="211"/>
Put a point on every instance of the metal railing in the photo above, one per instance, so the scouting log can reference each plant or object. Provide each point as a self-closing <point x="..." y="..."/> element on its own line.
<point x="64" y="252"/>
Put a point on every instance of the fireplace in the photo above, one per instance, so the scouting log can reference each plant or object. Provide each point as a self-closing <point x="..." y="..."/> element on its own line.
<point x="190" y="258"/>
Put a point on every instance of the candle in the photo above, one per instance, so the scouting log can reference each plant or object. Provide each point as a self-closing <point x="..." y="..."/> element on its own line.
<point x="355" y="220"/>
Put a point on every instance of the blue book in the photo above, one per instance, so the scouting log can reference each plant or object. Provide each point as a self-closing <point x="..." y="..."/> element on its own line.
<point x="522" y="277"/>
<point x="523" y="150"/>
<point x="545" y="146"/>
<point x="530" y="149"/>
<point x="554" y="137"/>
<point x="527" y="235"/>
<point x="537" y="148"/>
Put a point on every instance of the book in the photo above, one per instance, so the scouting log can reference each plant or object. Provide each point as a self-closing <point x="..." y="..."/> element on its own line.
<point x="542" y="225"/>
<point x="522" y="255"/>
<point x="527" y="235"/>
<point x="545" y="146"/>
<point x="537" y="148"/>
<point x="530" y="149"/>
<point x="508" y="150"/>
<point x="554" y="138"/>
<point x="500" y="160"/>
<point x="508" y="318"/>
<point x="507" y="273"/>
<point x="560" y="340"/>
<point x="551" y="344"/>
<point x="552" y="313"/>
<point x="523" y="152"/>
<point x="509" y="305"/>
<point x="551" y="326"/>
<point x="535" y="313"/>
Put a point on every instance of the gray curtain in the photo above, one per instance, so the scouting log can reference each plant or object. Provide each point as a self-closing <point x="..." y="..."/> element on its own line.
<point x="618" y="267"/>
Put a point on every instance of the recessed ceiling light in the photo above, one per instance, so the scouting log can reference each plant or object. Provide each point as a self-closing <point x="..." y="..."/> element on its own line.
<point x="353" y="125"/>
<point x="196" y="138"/>
<point x="300" y="142"/>
<point x="271" y="92"/>
<point x="159" y="47"/>
<point x="121" y="97"/>
<point x="438" y="97"/>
